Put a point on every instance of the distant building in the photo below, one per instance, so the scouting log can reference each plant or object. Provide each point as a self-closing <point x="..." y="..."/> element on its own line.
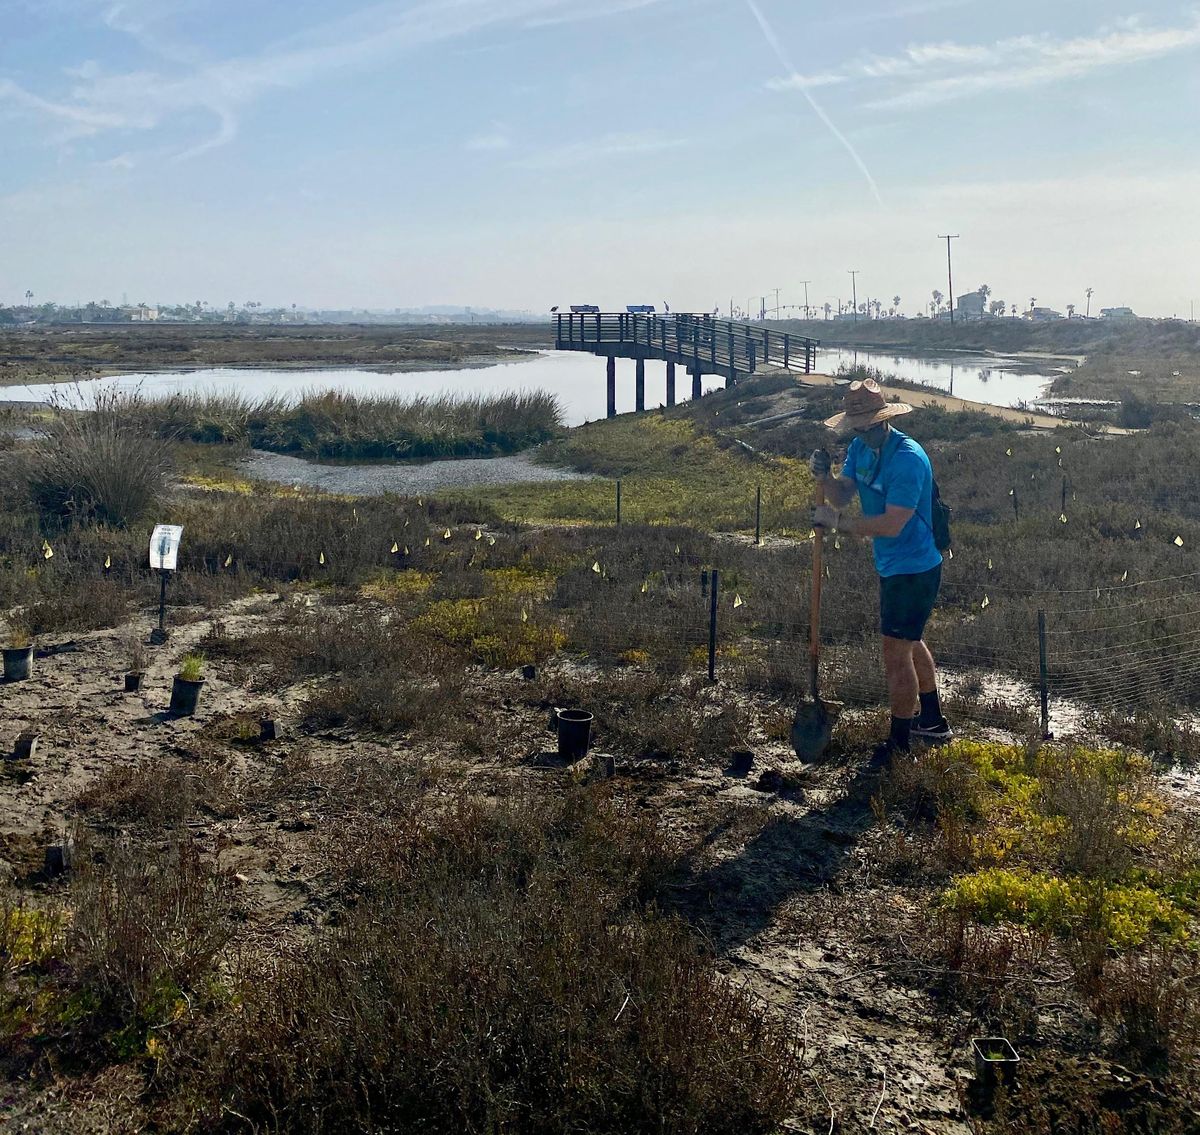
<point x="972" y="305"/>
<point x="1118" y="314"/>
<point x="141" y="313"/>
<point x="1044" y="314"/>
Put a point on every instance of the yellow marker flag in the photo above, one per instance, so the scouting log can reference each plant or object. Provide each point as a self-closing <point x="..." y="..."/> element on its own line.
<point x="354" y="513"/>
<point x="1011" y="491"/>
<point x="1060" y="464"/>
<point x="428" y="541"/>
<point x="107" y="562"/>
<point x="491" y="541"/>
<point x="1058" y="449"/>
<point x="738" y="602"/>
<point x="229" y="561"/>
<point x="406" y="551"/>
<point x="951" y="553"/>
<point x="322" y="559"/>
<point x="446" y="534"/>
<point x="478" y="534"/>
<point x="1125" y="576"/>
<point x="420" y="503"/>
<point x="837" y="543"/>
<point x="47" y="551"/>
<point x="985" y="604"/>
<point x="812" y="533"/>
<point x="395" y="547"/>
<point x="406" y="522"/>
<point x="1063" y="518"/>
<point x="596" y="567"/>
<point x="1179" y="541"/>
<point x="1008" y="453"/>
<point x="989" y="565"/>
<point x="645" y="587"/>
<point x="677" y="549"/>
<point x="524" y="615"/>
<point x="1138" y="526"/>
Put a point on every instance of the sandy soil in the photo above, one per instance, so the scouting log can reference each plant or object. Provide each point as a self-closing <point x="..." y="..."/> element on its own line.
<point x="771" y="892"/>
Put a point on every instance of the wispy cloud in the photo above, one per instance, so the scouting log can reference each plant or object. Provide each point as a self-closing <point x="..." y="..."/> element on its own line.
<point x="368" y="37"/>
<point x="804" y="86"/>
<point x="494" y="140"/>
<point x="928" y="74"/>
<point x="598" y="149"/>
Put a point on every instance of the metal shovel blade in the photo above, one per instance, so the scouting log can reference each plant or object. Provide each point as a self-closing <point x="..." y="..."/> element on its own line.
<point x="812" y="729"/>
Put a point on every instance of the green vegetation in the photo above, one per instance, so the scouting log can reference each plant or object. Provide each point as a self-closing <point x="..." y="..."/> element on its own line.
<point x="191" y="669"/>
<point x="671" y="474"/>
<point x="335" y="425"/>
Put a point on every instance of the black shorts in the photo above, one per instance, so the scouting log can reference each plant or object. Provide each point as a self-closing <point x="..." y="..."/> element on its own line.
<point x="906" y="602"/>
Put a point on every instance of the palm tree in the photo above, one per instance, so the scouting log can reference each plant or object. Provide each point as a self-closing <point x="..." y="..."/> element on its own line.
<point x="1032" y="305"/>
<point x="937" y="300"/>
<point x="828" y="309"/>
<point x="28" y="296"/>
<point x="896" y="302"/>
<point x="1070" y="311"/>
<point x="985" y="290"/>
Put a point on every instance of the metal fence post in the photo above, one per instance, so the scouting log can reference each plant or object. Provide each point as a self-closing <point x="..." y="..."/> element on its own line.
<point x="712" y="626"/>
<point x="618" y="500"/>
<point x="1045" y="677"/>
<point x="758" y="515"/>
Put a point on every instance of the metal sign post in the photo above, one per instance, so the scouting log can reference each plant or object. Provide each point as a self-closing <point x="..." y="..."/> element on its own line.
<point x="164" y="556"/>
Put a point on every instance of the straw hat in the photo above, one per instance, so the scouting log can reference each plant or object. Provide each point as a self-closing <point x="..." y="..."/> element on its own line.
<point x="865" y="406"/>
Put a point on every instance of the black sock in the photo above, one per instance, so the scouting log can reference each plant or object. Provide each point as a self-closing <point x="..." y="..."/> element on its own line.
<point x="931" y="709"/>
<point x="901" y="732"/>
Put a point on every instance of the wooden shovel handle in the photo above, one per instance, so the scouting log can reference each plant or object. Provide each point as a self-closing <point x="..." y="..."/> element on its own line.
<point x="814" y="619"/>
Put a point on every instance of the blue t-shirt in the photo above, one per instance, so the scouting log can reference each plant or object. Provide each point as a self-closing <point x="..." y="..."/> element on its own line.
<point x="902" y="476"/>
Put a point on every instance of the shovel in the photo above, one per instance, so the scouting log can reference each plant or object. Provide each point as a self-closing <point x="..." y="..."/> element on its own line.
<point x="812" y="726"/>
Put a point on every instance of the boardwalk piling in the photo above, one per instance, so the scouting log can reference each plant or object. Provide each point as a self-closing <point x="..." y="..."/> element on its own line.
<point x="612" y="386"/>
<point x="670" y="384"/>
<point x="640" y="392"/>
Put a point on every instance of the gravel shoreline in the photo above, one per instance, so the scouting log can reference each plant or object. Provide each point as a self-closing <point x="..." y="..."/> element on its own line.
<point x="376" y="480"/>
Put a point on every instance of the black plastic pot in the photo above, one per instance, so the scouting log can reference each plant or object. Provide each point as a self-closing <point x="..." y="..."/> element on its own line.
<point x="133" y="681"/>
<point x="267" y="730"/>
<point x="574" y="733"/>
<point x="996" y="1061"/>
<point x="184" y="696"/>
<point x="18" y="663"/>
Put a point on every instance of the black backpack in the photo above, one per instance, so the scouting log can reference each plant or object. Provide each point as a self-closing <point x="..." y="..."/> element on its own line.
<point x="941" y="521"/>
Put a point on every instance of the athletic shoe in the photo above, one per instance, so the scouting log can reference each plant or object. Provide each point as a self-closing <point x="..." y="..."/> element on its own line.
<point x="937" y="734"/>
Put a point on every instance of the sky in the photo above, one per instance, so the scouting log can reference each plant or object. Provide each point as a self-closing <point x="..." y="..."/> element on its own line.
<point x="519" y="154"/>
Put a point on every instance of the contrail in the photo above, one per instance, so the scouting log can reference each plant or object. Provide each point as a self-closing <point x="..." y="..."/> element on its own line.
<point x="773" y="41"/>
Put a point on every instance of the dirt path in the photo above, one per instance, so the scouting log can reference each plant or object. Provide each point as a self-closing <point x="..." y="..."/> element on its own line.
<point x="947" y="402"/>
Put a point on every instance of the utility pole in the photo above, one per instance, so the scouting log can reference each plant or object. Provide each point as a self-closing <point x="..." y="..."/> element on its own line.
<point x="1089" y="303"/>
<point x="806" y="283"/>
<point x="950" y="272"/>
<point x="777" y="291"/>
<point x="854" y="289"/>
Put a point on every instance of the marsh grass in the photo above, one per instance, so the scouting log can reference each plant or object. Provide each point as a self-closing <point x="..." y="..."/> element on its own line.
<point x="96" y="465"/>
<point x="342" y="426"/>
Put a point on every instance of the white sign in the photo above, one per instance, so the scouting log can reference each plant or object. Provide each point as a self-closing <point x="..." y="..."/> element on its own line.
<point x="164" y="546"/>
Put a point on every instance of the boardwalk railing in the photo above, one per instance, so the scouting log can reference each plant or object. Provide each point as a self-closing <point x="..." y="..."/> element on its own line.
<point x="701" y="343"/>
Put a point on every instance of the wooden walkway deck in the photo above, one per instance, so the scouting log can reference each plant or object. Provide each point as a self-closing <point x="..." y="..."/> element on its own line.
<point x="702" y="344"/>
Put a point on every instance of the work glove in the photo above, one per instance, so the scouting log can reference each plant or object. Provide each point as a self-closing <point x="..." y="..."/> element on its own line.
<point x="825" y="516"/>
<point x="820" y="464"/>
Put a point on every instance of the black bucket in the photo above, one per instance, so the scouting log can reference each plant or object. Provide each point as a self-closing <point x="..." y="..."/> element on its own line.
<point x="18" y="663"/>
<point x="574" y="733"/>
<point x="184" y="696"/>
<point x="133" y="681"/>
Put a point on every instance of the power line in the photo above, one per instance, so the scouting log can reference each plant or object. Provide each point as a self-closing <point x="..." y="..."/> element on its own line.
<point x="950" y="272"/>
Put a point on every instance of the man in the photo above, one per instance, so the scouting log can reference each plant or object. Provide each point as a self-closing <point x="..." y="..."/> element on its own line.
<point x="893" y="479"/>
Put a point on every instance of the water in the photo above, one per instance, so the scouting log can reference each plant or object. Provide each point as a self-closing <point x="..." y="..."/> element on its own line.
<point x="977" y="378"/>
<point x="577" y="379"/>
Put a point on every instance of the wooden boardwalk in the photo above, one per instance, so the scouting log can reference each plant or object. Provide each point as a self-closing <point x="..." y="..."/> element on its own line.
<point x="702" y="344"/>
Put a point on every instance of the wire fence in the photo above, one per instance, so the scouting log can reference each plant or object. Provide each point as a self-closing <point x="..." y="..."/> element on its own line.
<point x="734" y="607"/>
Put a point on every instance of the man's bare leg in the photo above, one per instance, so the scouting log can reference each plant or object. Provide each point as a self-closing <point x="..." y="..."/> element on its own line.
<point x="925" y="667"/>
<point x="902" y="684"/>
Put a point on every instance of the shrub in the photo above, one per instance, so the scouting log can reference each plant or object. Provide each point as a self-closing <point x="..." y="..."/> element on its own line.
<point x="95" y="465"/>
<point x="519" y="986"/>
